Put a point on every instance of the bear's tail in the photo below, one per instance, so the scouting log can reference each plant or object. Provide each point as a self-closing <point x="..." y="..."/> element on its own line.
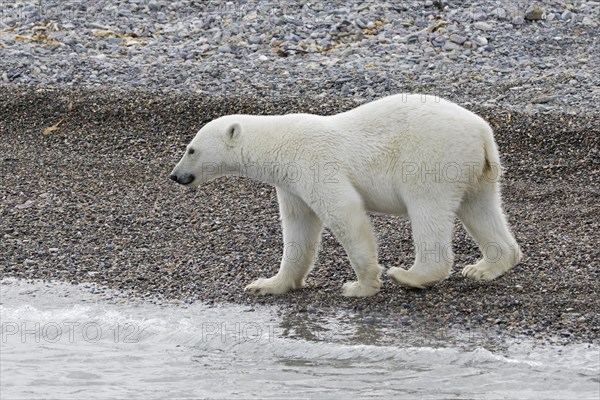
<point x="492" y="170"/>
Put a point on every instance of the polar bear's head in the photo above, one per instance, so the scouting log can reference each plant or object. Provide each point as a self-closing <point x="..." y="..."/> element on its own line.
<point x="210" y="154"/>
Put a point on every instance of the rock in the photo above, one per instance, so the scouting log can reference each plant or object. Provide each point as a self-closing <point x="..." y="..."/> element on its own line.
<point x="439" y="4"/>
<point x="291" y="20"/>
<point x="499" y="13"/>
<point x="458" y="39"/>
<point x="479" y="16"/>
<point x="439" y="41"/>
<point x="449" y="46"/>
<point x="361" y="23"/>
<point x="95" y="25"/>
<point x="481" y="40"/>
<point x="27" y="204"/>
<point x="518" y="20"/>
<point x="255" y="39"/>
<point x="469" y="45"/>
<point x="588" y="21"/>
<point x="566" y="15"/>
<point x="534" y="13"/>
<point x="482" y="26"/>
<point x="543" y="99"/>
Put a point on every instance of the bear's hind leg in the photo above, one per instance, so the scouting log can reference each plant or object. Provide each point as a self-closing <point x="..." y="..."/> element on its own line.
<point x="347" y="218"/>
<point x="301" y="238"/>
<point x="432" y="235"/>
<point x="481" y="214"/>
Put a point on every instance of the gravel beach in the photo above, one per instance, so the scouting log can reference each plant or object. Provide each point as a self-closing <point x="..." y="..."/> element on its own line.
<point x="95" y="112"/>
<point x="535" y="57"/>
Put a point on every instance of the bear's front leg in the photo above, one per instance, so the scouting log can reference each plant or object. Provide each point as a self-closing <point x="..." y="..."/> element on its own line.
<point x="301" y="238"/>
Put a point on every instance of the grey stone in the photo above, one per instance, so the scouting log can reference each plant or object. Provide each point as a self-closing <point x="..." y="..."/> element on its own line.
<point x="588" y="21"/>
<point x="481" y="40"/>
<point x="439" y="41"/>
<point x="518" y="20"/>
<point x="479" y="16"/>
<point x="96" y="25"/>
<point x="255" y="39"/>
<point x="26" y="204"/>
<point x="543" y="99"/>
<point x="458" y="39"/>
<point x="448" y="46"/>
<point x="361" y="23"/>
<point x="483" y="26"/>
<point x="291" y="20"/>
<point x="500" y="13"/>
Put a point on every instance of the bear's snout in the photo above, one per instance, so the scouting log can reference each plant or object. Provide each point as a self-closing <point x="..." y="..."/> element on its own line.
<point x="184" y="179"/>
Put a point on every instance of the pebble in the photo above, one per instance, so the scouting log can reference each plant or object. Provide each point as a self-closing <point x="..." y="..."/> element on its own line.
<point x="543" y="99"/>
<point x="448" y="46"/>
<point x="361" y="23"/>
<point x="458" y="39"/>
<point x="534" y="13"/>
<point x="500" y="13"/>
<point x="566" y="15"/>
<point x="518" y="20"/>
<point x="588" y="21"/>
<point x="483" y="26"/>
<point x="481" y="40"/>
<point x="27" y="204"/>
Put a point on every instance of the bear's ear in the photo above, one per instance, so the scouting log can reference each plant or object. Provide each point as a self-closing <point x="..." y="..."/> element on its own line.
<point x="232" y="133"/>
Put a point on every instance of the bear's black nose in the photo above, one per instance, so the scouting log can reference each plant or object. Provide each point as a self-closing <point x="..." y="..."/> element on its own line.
<point x="184" y="179"/>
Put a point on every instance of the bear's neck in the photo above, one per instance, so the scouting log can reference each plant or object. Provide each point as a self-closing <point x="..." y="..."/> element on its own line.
<point x="269" y="149"/>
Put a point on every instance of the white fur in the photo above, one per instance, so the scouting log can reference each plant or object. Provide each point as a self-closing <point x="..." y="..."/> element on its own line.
<point x="412" y="155"/>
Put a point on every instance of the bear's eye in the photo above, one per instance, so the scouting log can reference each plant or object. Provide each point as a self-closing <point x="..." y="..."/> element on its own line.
<point x="191" y="151"/>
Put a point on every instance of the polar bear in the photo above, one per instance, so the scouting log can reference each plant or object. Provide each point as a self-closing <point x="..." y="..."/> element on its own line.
<point x="410" y="155"/>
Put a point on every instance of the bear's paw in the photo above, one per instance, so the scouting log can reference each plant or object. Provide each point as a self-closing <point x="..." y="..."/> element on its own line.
<point x="483" y="271"/>
<point x="358" y="289"/>
<point x="405" y="278"/>
<point x="273" y="285"/>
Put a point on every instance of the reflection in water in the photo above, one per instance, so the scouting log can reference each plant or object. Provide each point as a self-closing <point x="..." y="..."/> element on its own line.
<point x="388" y="329"/>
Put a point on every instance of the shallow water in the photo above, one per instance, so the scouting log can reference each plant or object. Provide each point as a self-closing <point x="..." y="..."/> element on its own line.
<point x="62" y="341"/>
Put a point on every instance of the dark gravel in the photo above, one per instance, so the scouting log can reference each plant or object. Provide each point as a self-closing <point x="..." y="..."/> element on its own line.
<point x="91" y="202"/>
